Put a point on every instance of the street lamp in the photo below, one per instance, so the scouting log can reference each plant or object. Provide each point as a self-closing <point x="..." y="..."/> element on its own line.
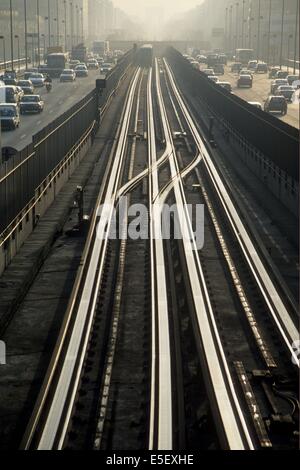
<point x="11" y="36"/>
<point x="226" y="29"/>
<point x="26" y="48"/>
<point x="82" y="34"/>
<point x="236" y="26"/>
<point x="258" y="30"/>
<point x="282" y="24"/>
<point x="49" y="22"/>
<point x="250" y="31"/>
<point x="17" y="37"/>
<point x="269" y="32"/>
<point x="230" y="29"/>
<point x="72" y="25"/>
<point x="288" y="54"/>
<point x="65" y="22"/>
<point x="243" y="23"/>
<point x="4" y="51"/>
<point x="44" y="40"/>
<point x="296" y="30"/>
<point x="38" y="30"/>
<point x="57" y="19"/>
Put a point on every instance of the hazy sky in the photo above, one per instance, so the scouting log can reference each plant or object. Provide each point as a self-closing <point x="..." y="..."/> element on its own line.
<point x="134" y="7"/>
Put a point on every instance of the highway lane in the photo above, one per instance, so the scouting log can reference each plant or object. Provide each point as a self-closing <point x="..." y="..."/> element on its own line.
<point x="62" y="97"/>
<point x="260" y="92"/>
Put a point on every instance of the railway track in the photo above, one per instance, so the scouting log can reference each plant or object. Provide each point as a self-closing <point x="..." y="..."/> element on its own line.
<point x="167" y="344"/>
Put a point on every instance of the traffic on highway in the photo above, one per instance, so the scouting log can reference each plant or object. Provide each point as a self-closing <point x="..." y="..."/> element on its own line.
<point x="270" y="88"/>
<point x="31" y="100"/>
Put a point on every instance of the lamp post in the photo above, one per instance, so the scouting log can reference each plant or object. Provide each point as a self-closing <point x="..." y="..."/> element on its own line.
<point x="65" y="22"/>
<point x="57" y="21"/>
<point x="269" y="31"/>
<point x="44" y="39"/>
<point x="72" y="25"/>
<point x="226" y="29"/>
<point x="77" y="23"/>
<point x="296" y="31"/>
<point x="237" y="24"/>
<point x="82" y="33"/>
<point x="25" y="21"/>
<point x="243" y="23"/>
<point x="4" y="51"/>
<point x="11" y="36"/>
<point x="258" y="30"/>
<point x="230" y="30"/>
<point x="250" y="32"/>
<point x="17" y="37"/>
<point x="38" y="30"/>
<point x="49" y="23"/>
<point x="288" y="54"/>
<point x="282" y="27"/>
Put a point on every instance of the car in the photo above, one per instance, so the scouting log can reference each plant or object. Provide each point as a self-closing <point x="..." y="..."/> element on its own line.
<point x="195" y="64"/>
<point x="244" y="81"/>
<point x="273" y="71"/>
<point x="236" y="67"/>
<point x="92" y="64"/>
<point x="31" y="104"/>
<point x="281" y="74"/>
<point x="256" y="104"/>
<point x="73" y="63"/>
<point x="9" y="94"/>
<point x="9" y="116"/>
<point x="276" y="104"/>
<point x="81" y="70"/>
<point x="67" y="75"/>
<point x="202" y="59"/>
<point x="246" y="72"/>
<point x="213" y="78"/>
<point x="26" y="86"/>
<point x="223" y="59"/>
<point x="219" y="69"/>
<point x="276" y="83"/>
<point x="105" y="68"/>
<point x="292" y="78"/>
<point x="287" y="91"/>
<point x="10" y="81"/>
<point x="261" y="67"/>
<point x="226" y="85"/>
<point x="100" y="61"/>
<point x="252" y="64"/>
<point x="29" y="72"/>
<point x="209" y="72"/>
<point x="37" y="80"/>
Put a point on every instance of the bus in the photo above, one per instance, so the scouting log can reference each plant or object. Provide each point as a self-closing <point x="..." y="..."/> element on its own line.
<point x="101" y="48"/>
<point x="244" y="55"/>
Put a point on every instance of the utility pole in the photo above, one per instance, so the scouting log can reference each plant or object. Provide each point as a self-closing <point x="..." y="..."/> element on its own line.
<point x="282" y="27"/>
<point x="226" y="30"/>
<point x="65" y="7"/>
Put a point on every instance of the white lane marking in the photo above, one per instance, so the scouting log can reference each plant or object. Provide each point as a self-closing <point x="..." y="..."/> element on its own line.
<point x="39" y="122"/>
<point x="50" y="111"/>
<point x="23" y="136"/>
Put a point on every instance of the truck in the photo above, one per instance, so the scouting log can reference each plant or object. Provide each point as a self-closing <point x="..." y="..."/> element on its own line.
<point x="101" y="48"/>
<point x="54" y="50"/>
<point x="79" y="52"/>
<point x="56" y="63"/>
<point x="244" y="55"/>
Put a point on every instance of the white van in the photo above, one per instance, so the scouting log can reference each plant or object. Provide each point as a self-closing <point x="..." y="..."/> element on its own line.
<point x="9" y="94"/>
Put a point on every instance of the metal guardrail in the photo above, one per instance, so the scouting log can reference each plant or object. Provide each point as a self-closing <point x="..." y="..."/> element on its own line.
<point x="7" y="65"/>
<point x="23" y="173"/>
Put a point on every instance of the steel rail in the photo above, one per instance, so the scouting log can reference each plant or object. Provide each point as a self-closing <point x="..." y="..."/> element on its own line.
<point x="55" y="424"/>
<point x="233" y="430"/>
<point x="276" y="307"/>
<point x="161" y="420"/>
